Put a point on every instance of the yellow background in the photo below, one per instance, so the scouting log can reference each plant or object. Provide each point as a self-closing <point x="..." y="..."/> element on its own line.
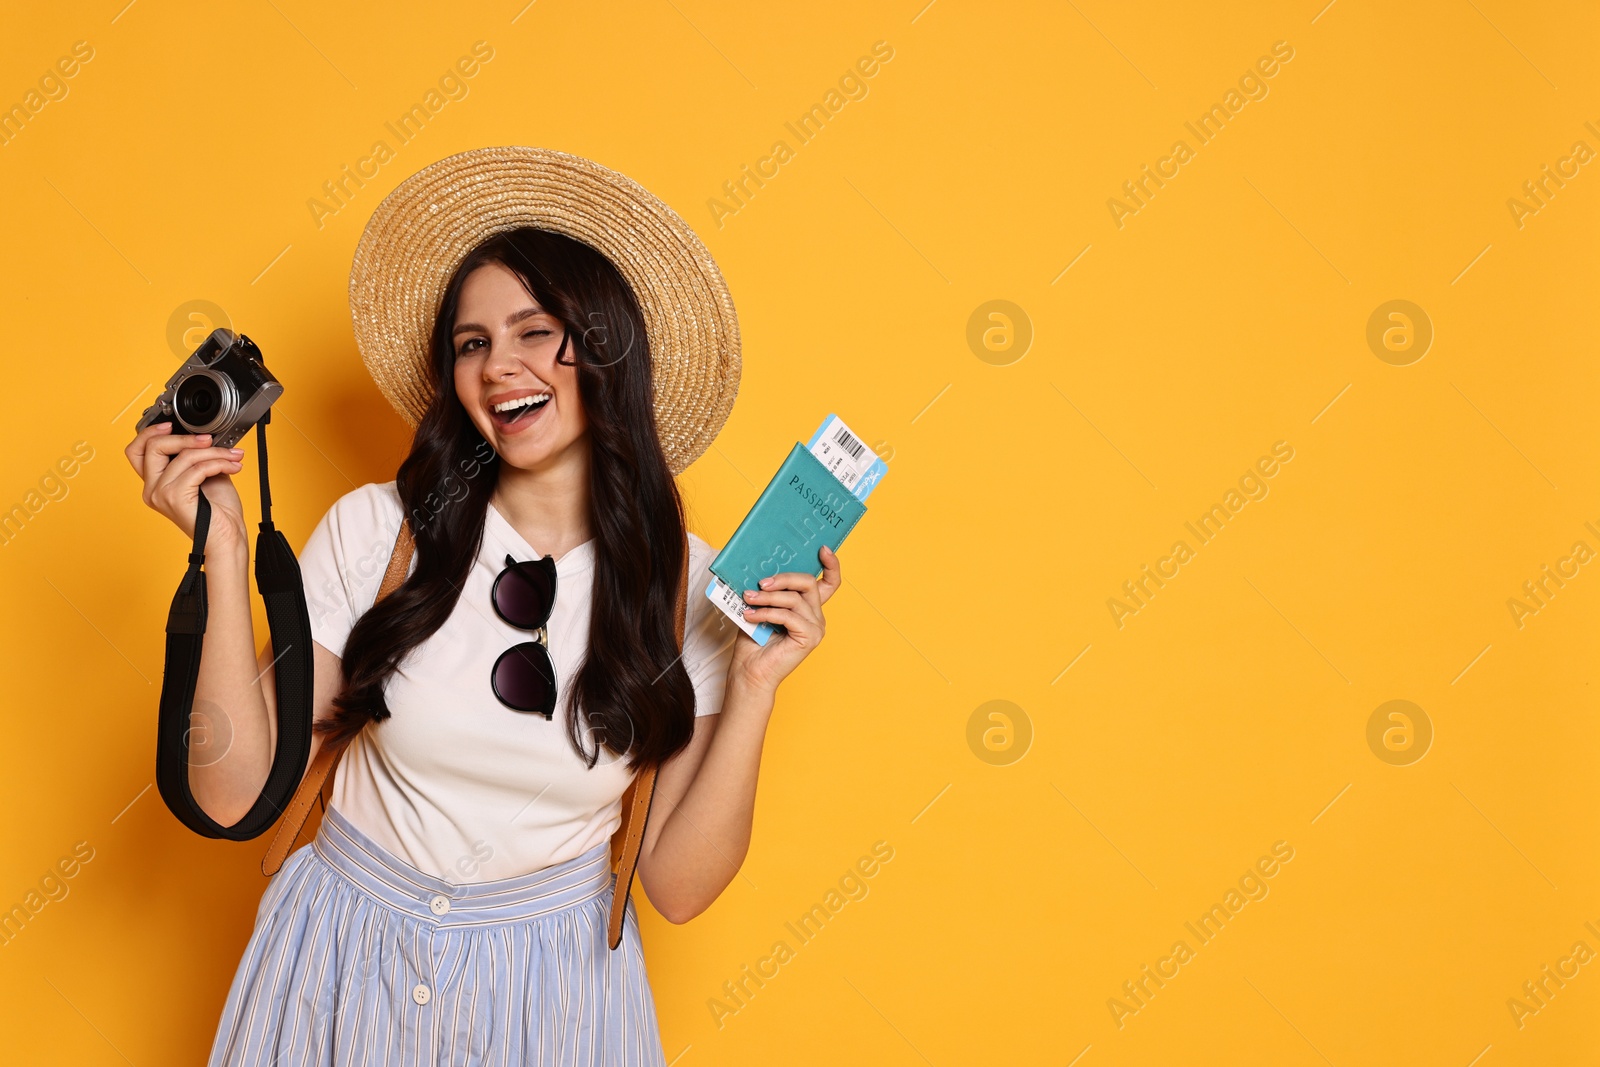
<point x="1228" y="314"/>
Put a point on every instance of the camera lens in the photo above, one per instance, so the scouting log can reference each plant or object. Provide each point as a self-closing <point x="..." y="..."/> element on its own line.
<point x="205" y="401"/>
<point x="199" y="400"/>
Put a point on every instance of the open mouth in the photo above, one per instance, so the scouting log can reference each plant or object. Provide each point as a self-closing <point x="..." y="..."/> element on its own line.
<point x="521" y="411"/>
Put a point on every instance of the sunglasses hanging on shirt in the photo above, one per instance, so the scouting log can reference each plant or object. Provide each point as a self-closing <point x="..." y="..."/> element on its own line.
<point x="524" y="676"/>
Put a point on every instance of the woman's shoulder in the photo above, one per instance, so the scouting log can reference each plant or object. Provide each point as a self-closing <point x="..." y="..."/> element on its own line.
<point x="700" y="553"/>
<point x="375" y="500"/>
<point x="366" y="516"/>
<point x="700" y="556"/>
<point x="343" y="561"/>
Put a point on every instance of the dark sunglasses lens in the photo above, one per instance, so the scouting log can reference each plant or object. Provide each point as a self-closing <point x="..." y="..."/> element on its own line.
<point x="524" y="679"/>
<point x="523" y="595"/>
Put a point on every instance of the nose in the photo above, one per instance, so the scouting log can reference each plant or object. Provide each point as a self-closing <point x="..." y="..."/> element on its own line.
<point x="502" y="361"/>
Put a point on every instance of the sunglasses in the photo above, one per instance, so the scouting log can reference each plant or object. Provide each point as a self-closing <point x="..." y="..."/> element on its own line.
<point x="524" y="677"/>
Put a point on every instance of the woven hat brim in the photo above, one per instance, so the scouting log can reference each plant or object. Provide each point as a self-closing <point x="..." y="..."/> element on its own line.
<point x="422" y="231"/>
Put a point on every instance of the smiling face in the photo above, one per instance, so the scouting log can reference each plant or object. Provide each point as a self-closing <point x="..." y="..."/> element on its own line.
<point x="524" y="403"/>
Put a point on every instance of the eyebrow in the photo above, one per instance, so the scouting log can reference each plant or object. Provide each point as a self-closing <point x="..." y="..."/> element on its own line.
<point x="511" y="320"/>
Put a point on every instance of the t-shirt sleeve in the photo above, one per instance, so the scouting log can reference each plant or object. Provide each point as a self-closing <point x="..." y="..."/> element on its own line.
<point x="708" y="634"/>
<point x="342" y="563"/>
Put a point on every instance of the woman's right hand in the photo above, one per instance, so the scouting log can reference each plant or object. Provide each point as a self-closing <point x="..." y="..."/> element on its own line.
<point x="176" y="467"/>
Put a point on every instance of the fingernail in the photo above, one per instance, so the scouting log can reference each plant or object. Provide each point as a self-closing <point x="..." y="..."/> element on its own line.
<point x="748" y="593"/>
<point x="237" y="451"/>
<point x="765" y="582"/>
<point x="202" y="437"/>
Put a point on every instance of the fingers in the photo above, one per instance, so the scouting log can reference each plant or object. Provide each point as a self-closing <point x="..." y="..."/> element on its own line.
<point x="152" y="450"/>
<point x="797" y="625"/>
<point x="803" y="584"/>
<point x="193" y="466"/>
<point x="172" y="443"/>
<point x="794" y="611"/>
<point x="778" y="598"/>
<point x="158" y="449"/>
<point x="817" y="590"/>
<point x="799" y="581"/>
<point x="831" y="578"/>
<point x="141" y="442"/>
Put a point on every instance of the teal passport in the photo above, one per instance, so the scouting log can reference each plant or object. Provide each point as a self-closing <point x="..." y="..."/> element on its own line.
<point x="803" y="508"/>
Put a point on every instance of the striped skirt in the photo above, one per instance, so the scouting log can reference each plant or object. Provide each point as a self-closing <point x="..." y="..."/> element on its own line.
<point x="358" y="958"/>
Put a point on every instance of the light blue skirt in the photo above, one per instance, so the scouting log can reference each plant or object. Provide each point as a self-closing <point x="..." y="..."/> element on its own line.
<point x="358" y="958"/>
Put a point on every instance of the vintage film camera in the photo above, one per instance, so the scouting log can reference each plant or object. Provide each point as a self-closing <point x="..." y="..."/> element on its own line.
<point x="223" y="389"/>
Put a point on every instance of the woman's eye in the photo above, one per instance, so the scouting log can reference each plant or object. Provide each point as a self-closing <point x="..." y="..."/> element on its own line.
<point x="536" y="333"/>
<point x="466" y="346"/>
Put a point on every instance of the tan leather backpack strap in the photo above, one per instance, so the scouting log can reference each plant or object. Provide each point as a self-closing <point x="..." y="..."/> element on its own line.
<point x="318" y="781"/>
<point x="636" y="799"/>
<point x="294" y="817"/>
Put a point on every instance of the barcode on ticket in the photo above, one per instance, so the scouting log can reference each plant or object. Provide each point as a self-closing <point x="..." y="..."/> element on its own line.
<point x="847" y="441"/>
<point x="857" y="467"/>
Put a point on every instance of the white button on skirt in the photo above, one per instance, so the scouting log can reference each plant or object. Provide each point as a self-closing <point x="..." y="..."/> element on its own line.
<point x="354" y="960"/>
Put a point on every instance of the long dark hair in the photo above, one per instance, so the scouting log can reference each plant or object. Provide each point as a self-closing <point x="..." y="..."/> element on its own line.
<point x="636" y="697"/>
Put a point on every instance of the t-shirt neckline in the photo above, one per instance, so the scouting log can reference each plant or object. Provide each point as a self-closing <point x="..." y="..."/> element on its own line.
<point x="575" y="554"/>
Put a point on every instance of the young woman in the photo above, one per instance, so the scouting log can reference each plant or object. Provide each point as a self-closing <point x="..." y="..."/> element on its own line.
<point x="453" y="907"/>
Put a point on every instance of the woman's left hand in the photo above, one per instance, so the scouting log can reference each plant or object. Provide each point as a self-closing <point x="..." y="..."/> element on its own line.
<point x="793" y="600"/>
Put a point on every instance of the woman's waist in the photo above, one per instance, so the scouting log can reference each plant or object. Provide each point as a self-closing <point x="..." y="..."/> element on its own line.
<point x="400" y="884"/>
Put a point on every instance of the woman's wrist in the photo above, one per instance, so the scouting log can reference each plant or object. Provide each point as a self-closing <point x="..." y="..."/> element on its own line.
<point x="226" y="551"/>
<point x="744" y="696"/>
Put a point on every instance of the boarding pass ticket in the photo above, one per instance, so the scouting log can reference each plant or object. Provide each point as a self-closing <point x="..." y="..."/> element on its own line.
<point x="858" y="469"/>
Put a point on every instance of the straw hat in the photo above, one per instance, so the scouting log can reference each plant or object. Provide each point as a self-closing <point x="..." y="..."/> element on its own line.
<point x="427" y="225"/>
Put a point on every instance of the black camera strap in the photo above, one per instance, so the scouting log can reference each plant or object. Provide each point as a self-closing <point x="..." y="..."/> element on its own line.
<point x="278" y="580"/>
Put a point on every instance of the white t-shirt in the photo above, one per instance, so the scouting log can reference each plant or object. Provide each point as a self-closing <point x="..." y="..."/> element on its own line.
<point x="454" y="782"/>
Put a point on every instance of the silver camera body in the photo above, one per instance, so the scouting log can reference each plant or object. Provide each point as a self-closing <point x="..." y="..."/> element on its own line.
<point x="223" y="389"/>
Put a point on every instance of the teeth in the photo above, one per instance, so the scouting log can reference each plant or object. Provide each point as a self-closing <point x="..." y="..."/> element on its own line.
<point x="512" y="405"/>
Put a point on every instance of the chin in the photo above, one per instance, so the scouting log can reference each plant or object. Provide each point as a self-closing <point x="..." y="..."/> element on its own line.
<point x="532" y="455"/>
<point x="526" y="459"/>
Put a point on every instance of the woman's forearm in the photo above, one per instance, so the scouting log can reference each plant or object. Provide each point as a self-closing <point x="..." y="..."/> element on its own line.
<point x="230" y="732"/>
<point x="703" y="841"/>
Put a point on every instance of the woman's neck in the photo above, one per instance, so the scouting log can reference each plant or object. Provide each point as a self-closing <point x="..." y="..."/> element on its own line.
<point x="549" y="507"/>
